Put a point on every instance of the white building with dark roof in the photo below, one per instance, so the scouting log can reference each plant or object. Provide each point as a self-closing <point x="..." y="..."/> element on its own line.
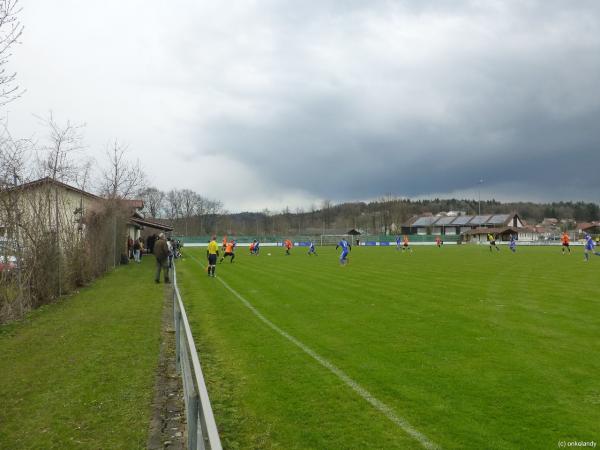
<point x="471" y="226"/>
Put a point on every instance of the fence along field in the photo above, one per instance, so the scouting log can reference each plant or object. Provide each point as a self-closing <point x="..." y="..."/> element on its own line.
<point x="471" y="349"/>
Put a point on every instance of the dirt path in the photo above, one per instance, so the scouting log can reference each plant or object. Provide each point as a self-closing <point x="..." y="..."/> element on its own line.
<point x="167" y="426"/>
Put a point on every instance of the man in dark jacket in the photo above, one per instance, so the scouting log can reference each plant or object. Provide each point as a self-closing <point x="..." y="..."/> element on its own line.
<point x="161" y="251"/>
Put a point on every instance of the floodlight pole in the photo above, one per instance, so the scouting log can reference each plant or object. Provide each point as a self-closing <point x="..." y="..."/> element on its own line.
<point x="479" y="194"/>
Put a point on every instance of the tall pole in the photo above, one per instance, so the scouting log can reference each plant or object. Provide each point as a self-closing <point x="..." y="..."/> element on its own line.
<point x="57" y="242"/>
<point x="479" y="194"/>
<point x="114" y="241"/>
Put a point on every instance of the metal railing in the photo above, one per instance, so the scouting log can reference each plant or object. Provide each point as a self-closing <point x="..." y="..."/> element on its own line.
<point x="202" y="433"/>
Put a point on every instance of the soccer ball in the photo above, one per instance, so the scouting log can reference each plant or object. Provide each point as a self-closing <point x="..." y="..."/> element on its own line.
<point x="268" y="254"/>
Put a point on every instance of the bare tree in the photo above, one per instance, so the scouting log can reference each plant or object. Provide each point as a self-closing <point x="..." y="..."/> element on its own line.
<point x="201" y="209"/>
<point x="14" y="156"/>
<point x="153" y="201"/>
<point x="10" y="32"/>
<point x="173" y="204"/>
<point x="57" y="158"/>
<point x="326" y="213"/>
<point x="204" y="207"/>
<point x="83" y="175"/>
<point x="188" y="205"/>
<point x="121" y="178"/>
<point x="299" y="217"/>
<point x="212" y="209"/>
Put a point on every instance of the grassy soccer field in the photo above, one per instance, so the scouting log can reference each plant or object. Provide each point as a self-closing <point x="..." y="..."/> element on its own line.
<point x="80" y="373"/>
<point x="470" y="349"/>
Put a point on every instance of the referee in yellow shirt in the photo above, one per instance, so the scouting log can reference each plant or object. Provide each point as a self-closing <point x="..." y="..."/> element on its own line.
<point x="212" y="252"/>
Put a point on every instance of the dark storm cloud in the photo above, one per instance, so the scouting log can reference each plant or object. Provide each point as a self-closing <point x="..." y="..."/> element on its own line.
<point x="413" y="100"/>
<point x="342" y="100"/>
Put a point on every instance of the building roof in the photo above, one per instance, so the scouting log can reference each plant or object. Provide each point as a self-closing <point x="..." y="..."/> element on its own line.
<point x="480" y="220"/>
<point x="135" y="203"/>
<point x="587" y="225"/>
<point x="500" y="230"/>
<point x="462" y="220"/>
<point x="48" y="180"/>
<point x="471" y="221"/>
<point x="151" y="224"/>
<point x="424" y="221"/>
<point x="445" y="220"/>
<point x="500" y="219"/>
<point x="496" y="230"/>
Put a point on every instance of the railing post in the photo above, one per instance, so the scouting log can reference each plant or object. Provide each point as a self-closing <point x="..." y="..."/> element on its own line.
<point x="178" y="341"/>
<point x="193" y="423"/>
<point x="201" y="427"/>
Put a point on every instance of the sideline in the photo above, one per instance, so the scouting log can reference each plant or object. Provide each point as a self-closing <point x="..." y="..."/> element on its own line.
<point x="167" y="424"/>
<point x="386" y="410"/>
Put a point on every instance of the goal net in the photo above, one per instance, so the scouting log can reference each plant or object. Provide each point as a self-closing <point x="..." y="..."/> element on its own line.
<point x="333" y="239"/>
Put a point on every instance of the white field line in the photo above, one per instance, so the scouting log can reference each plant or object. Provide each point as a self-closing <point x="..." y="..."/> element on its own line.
<point x="366" y="395"/>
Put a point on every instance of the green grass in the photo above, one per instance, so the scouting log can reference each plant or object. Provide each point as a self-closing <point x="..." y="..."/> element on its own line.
<point x="80" y="373"/>
<point x="474" y="350"/>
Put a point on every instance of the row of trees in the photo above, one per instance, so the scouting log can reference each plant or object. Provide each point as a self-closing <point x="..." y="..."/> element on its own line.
<point x="58" y="243"/>
<point x="182" y="205"/>
<point x="385" y="215"/>
<point x="61" y="156"/>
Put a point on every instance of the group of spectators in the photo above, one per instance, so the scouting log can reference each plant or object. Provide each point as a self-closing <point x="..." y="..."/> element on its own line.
<point x="165" y="249"/>
<point x="135" y="249"/>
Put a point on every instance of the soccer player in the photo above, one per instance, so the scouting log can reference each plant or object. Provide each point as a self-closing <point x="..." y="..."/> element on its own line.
<point x="256" y="248"/>
<point x="228" y="251"/>
<point x="311" y="249"/>
<point x="492" y="240"/>
<point x="211" y="253"/>
<point x="438" y="241"/>
<point x="589" y="247"/>
<point x="405" y="244"/>
<point x="345" y="249"/>
<point x="513" y="243"/>
<point x="288" y="245"/>
<point x="398" y="241"/>
<point x="565" y="242"/>
<point x="224" y="243"/>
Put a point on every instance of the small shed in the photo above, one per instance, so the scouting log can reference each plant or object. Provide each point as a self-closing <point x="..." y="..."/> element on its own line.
<point x="592" y="228"/>
<point x="481" y="234"/>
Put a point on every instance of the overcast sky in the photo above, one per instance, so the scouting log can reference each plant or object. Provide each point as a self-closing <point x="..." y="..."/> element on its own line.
<point x="272" y="103"/>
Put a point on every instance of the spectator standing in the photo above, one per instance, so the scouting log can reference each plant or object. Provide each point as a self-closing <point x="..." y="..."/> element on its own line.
<point x="150" y="243"/>
<point x="136" y="251"/>
<point x="142" y="248"/>
<point x="130" y="250"/>
<point x="161" y="252"/>
<point x="171" y="251"/>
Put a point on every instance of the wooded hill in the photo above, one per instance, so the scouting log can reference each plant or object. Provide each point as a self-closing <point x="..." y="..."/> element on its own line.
<point x="381" y="216"/>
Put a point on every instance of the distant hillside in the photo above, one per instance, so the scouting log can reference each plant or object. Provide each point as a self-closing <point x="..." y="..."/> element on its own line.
<point x="374" y="217"/>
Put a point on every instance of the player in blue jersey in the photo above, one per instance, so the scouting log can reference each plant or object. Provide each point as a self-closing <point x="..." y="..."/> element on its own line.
<point x="398" y="242"/>
<point x="311" y="249"/>
<point x="589" y="247"/>
<point x="346" y="248"/>
<point x="513" y="243"/>
<point x="256" y="248"/>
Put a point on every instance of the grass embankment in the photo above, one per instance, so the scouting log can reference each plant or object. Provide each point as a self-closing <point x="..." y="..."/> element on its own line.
<point x="80" y="373"/>
<point x="475" y="350"/>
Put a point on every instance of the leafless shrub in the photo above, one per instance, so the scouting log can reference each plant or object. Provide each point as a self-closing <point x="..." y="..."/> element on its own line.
<point x="10" y="32"/>
<point x="121" y="178"/>
<point x="62" y="237"/>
